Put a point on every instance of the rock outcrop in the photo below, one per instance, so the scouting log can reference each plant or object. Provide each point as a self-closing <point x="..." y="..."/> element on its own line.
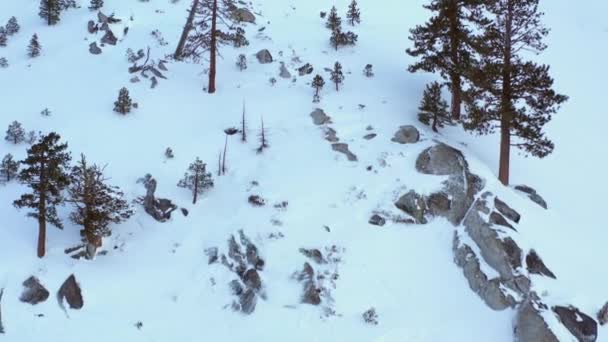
<point x="243" y="15"/>
<point x="33" y="291"/>
<point x="159" y="208"/>
<point x="532" y="195"/>
<point x="264" y="56"/>
<point x="406" y="135"/>
<point x="319" y="117"/>
<point x="70" y="292"/>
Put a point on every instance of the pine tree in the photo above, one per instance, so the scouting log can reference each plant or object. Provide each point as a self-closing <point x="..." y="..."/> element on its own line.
<point x="3" y="37"/>
<point x="33" y="50"/>
<point x="511" y="93"/>
<point x="45" y="173"/>
<point x="433" y="109"/>
<point x="8" y="168"/>
<point x="339" y="38"/>
<point x="317" y="84"/>
<point x="15" y="133"/>
<point x="353" y="15"/>
<point x="124" y="103"/>
<point x="337" y="76"/>
<point x="196" y="179"/>
<point x="263" y="138"/>
<point x="241" y="62"/>
<point x="50" y="11"/>
<point x="446" y="43"/>
<point x="368" y="71"/>
<point x="334" y="22"/>
<point x="238" y="38"/>
<point x="95" y="5"/>
<point x="97" y="204"/>
<point x="12" y="26"/>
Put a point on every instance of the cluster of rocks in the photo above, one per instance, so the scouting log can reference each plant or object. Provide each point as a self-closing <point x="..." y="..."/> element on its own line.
<point x="245" y="261"/>
<point x="486" y="236"/>
<point x="102" y="24"/>
<point x="159" y="208"/>
<point x="319" y="118"/>
<point x="34" y="293"/>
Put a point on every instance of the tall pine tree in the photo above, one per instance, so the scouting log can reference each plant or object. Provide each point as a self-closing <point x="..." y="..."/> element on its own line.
<point x="50" y="11"/>
<point x="433" y="109"/>
<point x="33" y="50"/>
<point x="337" y="76"/>
<point x="196" y="179"/>
<point x="446" y="42"/>
<point x="46" y="174"/>
<point x="354" y="14"/>
<point x="97" y="203"/>
<point x="511" y="93"/>
<point x="12" y="26"/>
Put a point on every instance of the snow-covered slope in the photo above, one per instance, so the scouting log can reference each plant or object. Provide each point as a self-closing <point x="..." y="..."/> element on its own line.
<point x="158" y="274"/>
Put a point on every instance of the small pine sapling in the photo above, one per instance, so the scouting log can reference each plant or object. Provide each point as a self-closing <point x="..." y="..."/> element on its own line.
<point x="33" y="50"/>
<point x="368" y="71"/>
<point x="124" y="103"/>
<point x="12" y="26"/>
<point x="196" y="179"/>
<point x="31" y="138"/>
<point x="15" y="133"/>
<point x="334" y="22"/>
<point x="8" y="168"/>
<point x="263" y="138"/>
<point x="433" y="109"/>
<point x="241" y="62"/>
<point x="337" y="76"/>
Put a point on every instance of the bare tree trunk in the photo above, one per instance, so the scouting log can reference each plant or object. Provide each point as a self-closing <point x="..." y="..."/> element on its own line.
<point x="213" y="49"/>
<point x="195" y="195"/>
<point x="506" y="105"/>
<point x="224" y="157"/>
<point x="187" y="28"/>
<point x="435" y="125"/>
<point x="42" y="213"/>
<point x="1" y="326"/>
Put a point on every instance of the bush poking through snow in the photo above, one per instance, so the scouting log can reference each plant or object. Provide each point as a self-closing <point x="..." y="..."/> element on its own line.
<point x="241" y="62"/>
<point x="370" y="316"/>
<point x="45" y="112"/>
<point x="169" y="153"/>
<point x="33" y="50"/>
<point x="3" y="62"/>
<point x="12" y="26"/>
<point x="368" y="71"/>
<point x="256" y="201"/>
<point x="9" y="168"/>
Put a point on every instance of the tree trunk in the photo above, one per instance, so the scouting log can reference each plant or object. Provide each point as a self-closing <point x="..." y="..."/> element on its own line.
<point x="49" y="10"/>
<point x="213" y="49"/>
<point x="224" y="156"/>
<point x="42" y="226"/>
<point x="506" y="105"/>
<point x="187" y="28"/>
<point x="455" y="77"/>
<point x="337" y="87"/>
<point x="195" y="194"/>
<point x="435" y="125"/>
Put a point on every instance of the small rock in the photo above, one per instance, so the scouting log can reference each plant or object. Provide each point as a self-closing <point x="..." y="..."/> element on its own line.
<point x="264" y="56"/>
<point x="496" y="218"/>
<point x="507" y="211"/>
<point x="102" y="18"/>
<point x="602" y="315"/>
<point x="377" y="220"/>
<point x="413" y="204"/>
<point x="535" y="265"/>
<point x="284" y="73"/>
<point x="248" y="300"/>
<point x="330" y="135"/>
<point x="236" y="287"/>
<point x="256" y="201"/>
<point x="91" y="27"/>
<point x="370" y="136"/>
<point x="532" y="194"/>
<point x="343" y="148"/>
<point x="134" y="79"/>
<point x="184" y="211"/>
<point x="406" y="135"/>
<point x="212" y="254"/>
<point x="94" y="49"/>
<point x="313" y="254"/>
<point x="162" y="66"/>
<point x="34" y="291"/>
<point x="70" y="290"/>
<point x="319" y="117"/>
<point x="306" y="69"/>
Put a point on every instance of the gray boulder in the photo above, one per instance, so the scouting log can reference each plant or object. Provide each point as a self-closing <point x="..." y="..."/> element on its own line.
<point x="535" y="265"/>
<point x="319" y="117"/>
<point x="252" y="279"/>
<point x="33" y="292"/>
<point x="305" y="69"/>
<point x="94" y="49"/>
<point x="441" y="160"/>
<point x="582" y="326"/>
<point x="406" y="135"/>
<point x="284" y="73"/>
<point x="530" y="325"/>
<point x="159" y="208"/>
<point x="413" y="204"/>
<point x="343" y="148"/>
<point x="109" y="38"/>
<point x="91" y="27"/>
<point x="507" y="211"/>
<point x="377" y="220"/>
<point x="243" y="15"/>
<point x="102" y="18"/>
<point x="264" y="56"/>
<point x="248" y="301"/>
<point x="496" y="218"/>
<point x="532" y="195"/>
<point x="70" y="291"/>
<point x="331" y="135"/>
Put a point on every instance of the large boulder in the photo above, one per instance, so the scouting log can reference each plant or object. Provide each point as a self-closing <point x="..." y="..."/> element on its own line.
<point x="70" y="291"/>
<point x="33" y="291"/>
<point x="319" y="117"/>
<point x="264" y="56"/>
<point x="582" y="326"/>
<point x="243" y="15"/>
<point x="413" y="204"/>
<point x="535" y="265"/>
<point x="406" y="135"/>
<point x="530" y="326"/>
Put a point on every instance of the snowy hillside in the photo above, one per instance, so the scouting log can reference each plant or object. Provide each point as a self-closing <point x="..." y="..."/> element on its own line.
<point x="154" y="281"/>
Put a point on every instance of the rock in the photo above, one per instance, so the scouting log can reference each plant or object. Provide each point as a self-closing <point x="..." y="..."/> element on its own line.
<point x="532" y="195"/>
<point x="256" y="201"/>
<point x="406" y="135"/>
<point x="236" y="287"/>
<point x="319" y="117"/>
<point x="264" y="56"/>
<point x="441" y="160"/>
<point x="33" y="292"/>
<point x="438" y="203"/>
<point x="160" y="209"/>
<point x="602" y="315"/>
<point x="244" y="15"/>
<point x="377" y="220"/>
<point x="343" y="148"/>
<point x="305" y="69"/>
<point x="413" y="204"/>
<point x="530" y="325"/>
<point x="102" y="18"/>
<point x="94" y="49"/>
<point x="331" y="135"/>
<point x="507" y="211"/>
<point x="252" y="279"/>
<point x="162" y="66"/>
<point x="311" y="294"/>
<point x="284" y="73"/>
<point x="70" y="290"/>
<point x="248" y="301"/>
<point x="313" y="254"/>
<point x="212" y="254"/>
<point x="109" y="38"/>
<point x="488" y="289"/>
<point x="184" y="212"/>
<point x="370" y="136"/>
<point x="134" y="79"/>
<point x="154" y="82"/>
<point x="496" y="218"/>
<point x="582" y="326"/>
<point x="535" y="265"/>
<point x="91" y="27"/>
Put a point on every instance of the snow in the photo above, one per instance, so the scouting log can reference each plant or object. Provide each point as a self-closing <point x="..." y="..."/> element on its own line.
<point x="157" y="274"/>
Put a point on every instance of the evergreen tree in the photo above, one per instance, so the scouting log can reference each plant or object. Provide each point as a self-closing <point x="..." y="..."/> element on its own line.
<point x="368" y="71"/>
<point x="8" y="168"/>
<point x="96" y="5"/>
<point x="511" y="93"/>
<point x="317" y="83"/>
<point x="67" y="4"/>
<point x="50" y="11"/>
<point x="433" y="109"/>
<point x="97" y="204"/>
<point x="241" y="62"/>
<point x="238" y="38"/>
<point x="15" y="133"/>
<point x="334" y="22"/>
<point x="3" y="37"/>
<point x="339" y="38"/>
<point x="124" y="103"/>
<point x="446" y="43"/>
<point x="33" y="50"/>
<point x="45" y="173"/>
<point x="353" y="15"/>
<point x="336" y="75"/>
<point x="12" y="26"/>
<point x="196" y="179"/>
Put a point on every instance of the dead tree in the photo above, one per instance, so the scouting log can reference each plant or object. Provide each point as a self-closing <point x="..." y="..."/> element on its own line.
<point x="187" y="28"/>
